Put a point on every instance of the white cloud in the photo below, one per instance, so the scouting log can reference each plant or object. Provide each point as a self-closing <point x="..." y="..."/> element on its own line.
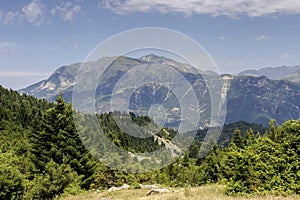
<point x="285" y="56"/>
<point x="263" y="37"/>
<point x="7" y="47"/>
<point x="222" y="37"/>
<point x="37" y="13"/>
<point x="232" y="8"/>
<point x="34" y="12"/>
<point x="67" y="10"/>
<point x="9" y="17"/>
<point x="76" y="45"/>
<point x="69" y="39"/>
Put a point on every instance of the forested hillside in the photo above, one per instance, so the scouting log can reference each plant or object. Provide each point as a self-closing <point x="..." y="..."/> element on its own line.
<point x="42" y="156"/>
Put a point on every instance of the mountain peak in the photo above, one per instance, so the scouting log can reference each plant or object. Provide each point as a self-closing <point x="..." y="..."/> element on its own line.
<point x="152" y="58"/>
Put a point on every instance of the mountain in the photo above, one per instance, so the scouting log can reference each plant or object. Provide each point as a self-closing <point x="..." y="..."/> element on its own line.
<point x="60" y="81"/>
<point x="259" y="99"/>
<point x="275" y="73"/>
<point x="142" y="87"/>
<point x="152" y="58"/>
<point x="255" y="99"/>
<point x="63" y="78"/>
<point x="294" y="77"/>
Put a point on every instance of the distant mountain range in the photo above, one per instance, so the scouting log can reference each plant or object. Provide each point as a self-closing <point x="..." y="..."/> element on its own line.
<point x="290" y="73"/>
<point x="254" y="95"/>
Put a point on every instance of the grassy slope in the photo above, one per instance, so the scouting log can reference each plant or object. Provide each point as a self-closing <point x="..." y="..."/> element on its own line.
<point x="210" y="192"/>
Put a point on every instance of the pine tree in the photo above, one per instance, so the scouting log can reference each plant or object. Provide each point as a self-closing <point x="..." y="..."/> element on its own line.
<point x="211" y="166"/>
<point x="249" y="137"/>
<point x="237" y="138"/>
<point x="58" y="140"/>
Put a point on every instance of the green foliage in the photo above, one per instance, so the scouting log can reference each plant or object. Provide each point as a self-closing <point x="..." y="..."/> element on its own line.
<point x="54" y="181"/>
<point x="11" y="181"/>
<point x="21" y="109"/>
<point x="72" y="189"/>
<point x="58" y="140"/>
<point x="267" y="164"/>
<point x="106" y="177"/>
<point x="227" y="133"/>
<point x="237" y="139"/>
<point x="127" y="141"/>
<point x="210" y="170"/>
<point x="42" y="156"/>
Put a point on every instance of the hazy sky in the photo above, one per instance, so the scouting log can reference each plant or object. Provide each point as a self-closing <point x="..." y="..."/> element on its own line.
<point x="37" y="37"/>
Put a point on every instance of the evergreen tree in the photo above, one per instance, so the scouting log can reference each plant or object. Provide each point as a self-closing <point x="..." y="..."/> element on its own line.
<point x="210" y="167"/>
<point x="53" y="182"/>
<point x="11" y="179"/>
<point x="237" y="138"/>
<point x="249" y="137"/>
<point x="58" y="140"/>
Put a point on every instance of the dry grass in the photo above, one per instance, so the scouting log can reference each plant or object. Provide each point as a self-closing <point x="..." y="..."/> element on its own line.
<point x="210" y="192"/>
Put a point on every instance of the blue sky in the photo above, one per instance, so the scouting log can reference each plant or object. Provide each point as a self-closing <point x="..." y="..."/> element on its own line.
<point x="37" y="37"/>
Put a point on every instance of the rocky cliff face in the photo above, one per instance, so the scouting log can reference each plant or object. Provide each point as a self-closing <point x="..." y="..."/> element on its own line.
<point x="259" y="99"/>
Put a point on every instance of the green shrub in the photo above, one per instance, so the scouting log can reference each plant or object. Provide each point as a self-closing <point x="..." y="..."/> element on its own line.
<point x="11" y="182"/>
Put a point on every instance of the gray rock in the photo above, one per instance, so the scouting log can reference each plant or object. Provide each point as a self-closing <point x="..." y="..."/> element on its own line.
<point x="157" y="191"/>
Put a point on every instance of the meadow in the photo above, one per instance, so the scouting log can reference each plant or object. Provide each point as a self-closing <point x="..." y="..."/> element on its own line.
<point x="207" y="192"/>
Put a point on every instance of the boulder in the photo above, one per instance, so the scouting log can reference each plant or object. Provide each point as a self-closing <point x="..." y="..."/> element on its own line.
<point x="157" y="191"/>
<point x="124" y="186"/>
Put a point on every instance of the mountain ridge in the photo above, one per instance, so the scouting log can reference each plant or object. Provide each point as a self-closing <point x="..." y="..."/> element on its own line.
<point x="255" y="99"/>
<point x="275" y="73"/>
